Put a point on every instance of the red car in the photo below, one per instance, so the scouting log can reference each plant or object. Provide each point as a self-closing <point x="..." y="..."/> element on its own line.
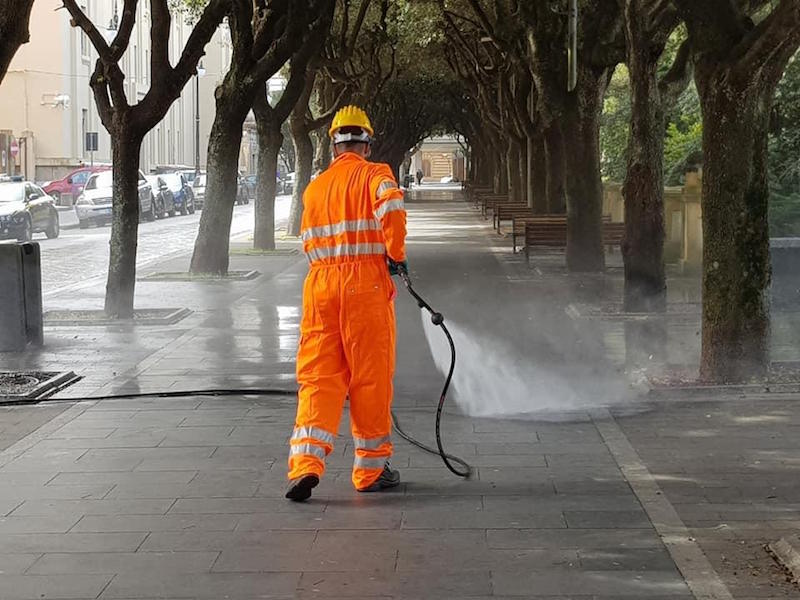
<point x="72" y="184"/>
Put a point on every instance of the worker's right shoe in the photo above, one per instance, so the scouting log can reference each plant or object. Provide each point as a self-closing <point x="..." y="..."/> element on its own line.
<point x="300" y="488"/>
<point x="389" y="478"/>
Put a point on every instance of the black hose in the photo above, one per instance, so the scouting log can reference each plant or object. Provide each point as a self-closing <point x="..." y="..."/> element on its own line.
<point x="437" y="319"/>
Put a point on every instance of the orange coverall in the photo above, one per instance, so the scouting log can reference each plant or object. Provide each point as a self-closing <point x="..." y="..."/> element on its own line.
<point x="353" y="218"/>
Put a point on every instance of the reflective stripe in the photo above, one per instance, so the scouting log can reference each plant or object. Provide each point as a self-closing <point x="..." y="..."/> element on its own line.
<point x="389" y="206"/>
<point x="307" y="449"/>
<point x="340" y="227"/>
<point x="314" y="433"/>
<point x="371" y="443"/>
<point x="345" y="250"/>
<point x="369" y="462"/>
<point x="386" y="186"/>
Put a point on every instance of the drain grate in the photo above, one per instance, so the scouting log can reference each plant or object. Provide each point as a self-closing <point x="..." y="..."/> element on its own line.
<point x="179" y="276"/>
<point x="22" y="387"/>
<point x="146" y="316"/>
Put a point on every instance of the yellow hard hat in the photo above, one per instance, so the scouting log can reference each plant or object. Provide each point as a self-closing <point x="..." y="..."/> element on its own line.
<point x="350" y="116"/>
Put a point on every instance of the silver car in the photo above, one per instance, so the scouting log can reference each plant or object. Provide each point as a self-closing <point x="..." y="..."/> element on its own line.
<point x="94" y="204"/>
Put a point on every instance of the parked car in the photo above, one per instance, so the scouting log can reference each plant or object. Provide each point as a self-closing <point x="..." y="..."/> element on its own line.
<point x="199" y="190"/>
<point x="24" y="210"/>
<point x="287" y="185"/>
<point x="164" y="200"/>
<point x="94" y="204"/>
<point x="190" y="174"/>
<point x="72" y="184"/>
<point x="182" y="193"/>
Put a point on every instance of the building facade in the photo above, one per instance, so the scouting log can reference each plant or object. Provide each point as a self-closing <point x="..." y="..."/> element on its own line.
<point x="439" y="157"/>
<point x="47" y="106"/>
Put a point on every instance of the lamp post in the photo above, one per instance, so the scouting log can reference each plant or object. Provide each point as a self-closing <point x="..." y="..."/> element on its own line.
<point x="200" y="72"/>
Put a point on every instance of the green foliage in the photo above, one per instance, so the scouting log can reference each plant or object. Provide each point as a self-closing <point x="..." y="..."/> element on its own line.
<point x="784" y="154"/>
<point x="615" y="127"/>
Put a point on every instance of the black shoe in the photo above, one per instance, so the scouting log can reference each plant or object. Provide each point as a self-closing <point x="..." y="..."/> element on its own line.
<point x="300" y="488"/>
<point x="389" y="478"/>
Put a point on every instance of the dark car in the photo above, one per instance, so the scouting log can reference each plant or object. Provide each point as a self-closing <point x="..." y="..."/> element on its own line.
<point x="162" y="195"/>
<point x="24" y="210"/>
<point x="181" y="192"/>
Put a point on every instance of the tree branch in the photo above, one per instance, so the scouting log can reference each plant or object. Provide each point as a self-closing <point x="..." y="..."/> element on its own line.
<point x="775" y="39"/>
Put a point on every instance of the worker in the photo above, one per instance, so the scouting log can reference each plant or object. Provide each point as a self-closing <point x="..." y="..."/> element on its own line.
<point x="353" y="233"/>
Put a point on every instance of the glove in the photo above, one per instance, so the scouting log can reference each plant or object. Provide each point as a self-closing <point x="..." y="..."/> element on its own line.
<point x="396" y="268"/>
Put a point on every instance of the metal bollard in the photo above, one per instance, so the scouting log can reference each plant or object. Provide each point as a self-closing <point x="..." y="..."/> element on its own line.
<point x="20" y="296"/>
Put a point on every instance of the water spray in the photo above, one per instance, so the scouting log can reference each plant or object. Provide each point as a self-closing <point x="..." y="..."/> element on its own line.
<point x="463" y="469"/>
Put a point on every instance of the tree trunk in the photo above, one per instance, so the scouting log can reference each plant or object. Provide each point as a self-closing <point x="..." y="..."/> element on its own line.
<point x="580" y="127"/>
<point x="555" y="171"/>
<point x="270" y="141"/>
<point x="304" y="159"/>
<point x="14" y="18"/>
<point x="736" y="254"/>
<point x="212" y="247"/>
<point x="538" y="160"/>
<point x="643" y="189"/>
<point x="121" y="282"/>
<point x="322" y="152"/>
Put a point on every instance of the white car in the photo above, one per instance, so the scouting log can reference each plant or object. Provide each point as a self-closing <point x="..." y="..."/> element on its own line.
<point x="94" y="204"/>
<point x="199" y="189"/>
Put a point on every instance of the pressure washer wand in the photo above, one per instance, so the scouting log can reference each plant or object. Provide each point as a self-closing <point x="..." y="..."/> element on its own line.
<point x="437" y="319"/>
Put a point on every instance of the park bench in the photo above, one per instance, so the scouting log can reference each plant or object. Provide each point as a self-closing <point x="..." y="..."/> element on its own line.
<point x="489" y="203"/>
<point x="518" y="224"/>
<point x="482" y="198"/>
<point x="553" y="234"/>
<point x="506" y="212"/>
<point x="472" y="191"/>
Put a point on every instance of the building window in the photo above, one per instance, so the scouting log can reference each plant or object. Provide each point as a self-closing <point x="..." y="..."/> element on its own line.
<point x="84" y="38"/>
<point x="84" y="130"/>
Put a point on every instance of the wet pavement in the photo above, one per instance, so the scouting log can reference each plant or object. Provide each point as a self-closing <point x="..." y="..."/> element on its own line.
<point x="182" y="498"/>
<point x="82" y="254"/>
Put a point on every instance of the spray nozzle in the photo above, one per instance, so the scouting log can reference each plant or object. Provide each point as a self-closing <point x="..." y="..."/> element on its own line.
<point x="437" y="318"/>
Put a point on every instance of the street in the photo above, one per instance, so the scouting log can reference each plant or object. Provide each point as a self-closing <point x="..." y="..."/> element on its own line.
<point x="79" y="255"/>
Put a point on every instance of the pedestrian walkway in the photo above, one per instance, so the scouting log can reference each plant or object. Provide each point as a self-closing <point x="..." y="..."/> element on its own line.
<point x="182" y="498"/>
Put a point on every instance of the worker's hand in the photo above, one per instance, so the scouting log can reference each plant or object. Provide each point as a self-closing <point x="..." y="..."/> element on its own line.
<point x="397" y="268"/>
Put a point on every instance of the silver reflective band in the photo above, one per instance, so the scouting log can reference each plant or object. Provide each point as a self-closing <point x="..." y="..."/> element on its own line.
<point x="307" y="449"/>
<point x="370" y="462"/>
<point x="340" y="227"/>
<point x="314" y="433"/>
<point x="345" y="250"/>
<point x="389" y="206"/>
<point x="386" y="186"/>
<point x="371" y="443"/>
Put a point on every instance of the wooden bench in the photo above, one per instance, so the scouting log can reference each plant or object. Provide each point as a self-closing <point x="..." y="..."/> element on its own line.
<point x="507" y="212"/>
<point x="553" y="234"/>
<point x="518" y="224"/>
<point x="488" y="203"/>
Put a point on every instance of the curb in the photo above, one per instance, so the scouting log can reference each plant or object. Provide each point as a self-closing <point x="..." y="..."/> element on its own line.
<point x="787" y="552"/>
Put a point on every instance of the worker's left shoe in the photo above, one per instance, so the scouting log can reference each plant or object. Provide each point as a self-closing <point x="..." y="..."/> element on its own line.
<point x="389" y="478"/>
<point x="300" y="488"/>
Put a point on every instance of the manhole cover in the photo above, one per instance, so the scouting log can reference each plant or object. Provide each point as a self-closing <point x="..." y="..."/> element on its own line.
<point x="147" y="316"/>
<point x="19" y="387"/>
<point x="230" y="276"/>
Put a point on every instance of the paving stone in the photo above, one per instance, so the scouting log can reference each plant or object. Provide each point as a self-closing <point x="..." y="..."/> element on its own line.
<point x="62" y="587"/>
<point x="131" y="523"/>
<point x="11" y="564"/>
<point x="152" y="563"/>
<point x="52" y="523"/>
<point x="93" y="507"/>
<point x="394" y="584"/>
<point x="211" y="586"/>
<point x="242" y="506"/>
<point x="554" y="581"/>
<point x="115" y="478"/>
<point x="573" y="538"/>
<point x="39" y="543"/>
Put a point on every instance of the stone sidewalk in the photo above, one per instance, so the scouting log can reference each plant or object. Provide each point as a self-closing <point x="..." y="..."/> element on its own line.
<point x="182" y="498"/>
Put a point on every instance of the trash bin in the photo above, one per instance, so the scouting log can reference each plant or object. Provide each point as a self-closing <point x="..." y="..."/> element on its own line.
<point x="20" y="296"/>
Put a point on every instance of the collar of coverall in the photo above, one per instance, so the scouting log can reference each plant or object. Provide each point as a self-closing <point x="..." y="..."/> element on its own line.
<point x="350" y="156"/>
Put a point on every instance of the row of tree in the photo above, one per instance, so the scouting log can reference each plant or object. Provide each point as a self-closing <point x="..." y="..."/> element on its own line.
<point x="540" y="141"/>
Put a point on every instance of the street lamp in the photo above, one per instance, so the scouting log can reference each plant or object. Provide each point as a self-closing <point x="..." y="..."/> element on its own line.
<point x="200" y="72"/>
